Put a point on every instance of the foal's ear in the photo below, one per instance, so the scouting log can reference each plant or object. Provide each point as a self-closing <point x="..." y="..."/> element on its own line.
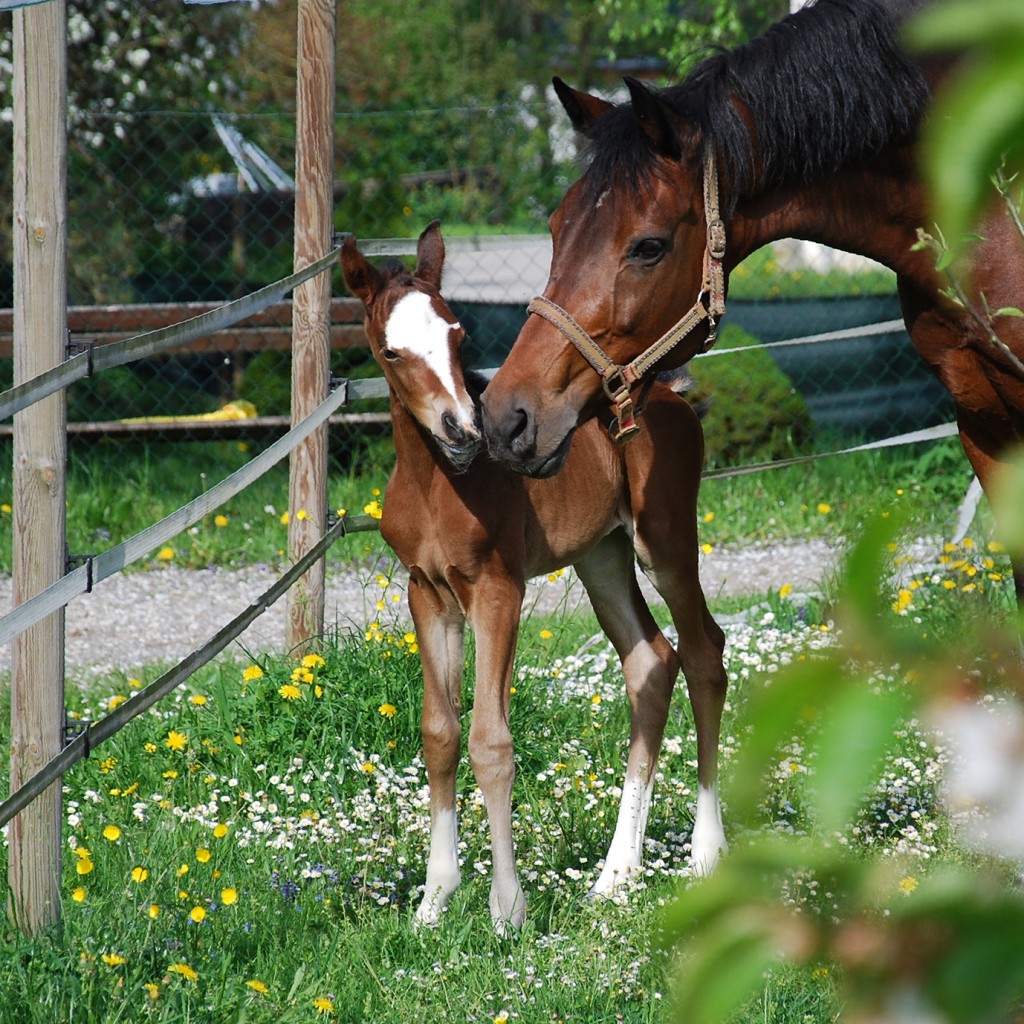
<point x="582" y="108"/>
<point x="430" y="255"/>
<point x="362" y="278"/>
<point x="655" y="118"/>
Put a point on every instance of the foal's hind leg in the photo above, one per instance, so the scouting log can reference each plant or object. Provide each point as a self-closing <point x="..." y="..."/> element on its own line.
<point x="670" y="562"/>
<point x="439" y="632"/>
<point x="664" y="499"/>
<point x="650" y="667"/>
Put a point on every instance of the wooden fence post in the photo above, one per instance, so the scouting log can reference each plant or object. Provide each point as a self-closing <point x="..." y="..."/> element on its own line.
<point x="314" y="229"/>
<point x="40" y="342"/>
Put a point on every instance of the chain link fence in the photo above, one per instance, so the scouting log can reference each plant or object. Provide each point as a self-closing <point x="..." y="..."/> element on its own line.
<point x="172" y="208"/>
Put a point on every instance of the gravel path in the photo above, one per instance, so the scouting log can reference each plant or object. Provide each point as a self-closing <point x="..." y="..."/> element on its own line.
<point x="160" y="616"/>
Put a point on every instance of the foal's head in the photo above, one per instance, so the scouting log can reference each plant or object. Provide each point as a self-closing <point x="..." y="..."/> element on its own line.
<point x="417" y="342"/>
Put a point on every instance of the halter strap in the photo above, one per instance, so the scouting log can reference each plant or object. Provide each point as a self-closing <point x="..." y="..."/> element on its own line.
<point x="618" y="380"/>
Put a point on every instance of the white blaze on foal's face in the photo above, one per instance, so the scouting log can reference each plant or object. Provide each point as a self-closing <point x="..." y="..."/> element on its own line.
<point x="416" y="329"/>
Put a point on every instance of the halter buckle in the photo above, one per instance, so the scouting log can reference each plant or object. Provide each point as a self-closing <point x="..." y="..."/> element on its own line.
<point x="716" y="239"/>
<point x="617" y="381"/>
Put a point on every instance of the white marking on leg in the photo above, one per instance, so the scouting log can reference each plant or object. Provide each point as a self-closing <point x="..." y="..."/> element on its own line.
<point x="708" y="841"/>
<point x="443" y="876"/>
<point x="625" y="855"/>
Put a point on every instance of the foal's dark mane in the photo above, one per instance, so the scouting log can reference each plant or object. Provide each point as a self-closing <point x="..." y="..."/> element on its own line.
<point x="825" y="87"/>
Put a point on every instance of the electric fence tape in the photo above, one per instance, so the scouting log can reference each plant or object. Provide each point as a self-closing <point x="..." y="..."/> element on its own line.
<point x="142" y="346"/>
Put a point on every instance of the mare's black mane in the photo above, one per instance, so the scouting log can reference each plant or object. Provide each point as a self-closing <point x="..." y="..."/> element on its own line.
<point x="825" y="87"/>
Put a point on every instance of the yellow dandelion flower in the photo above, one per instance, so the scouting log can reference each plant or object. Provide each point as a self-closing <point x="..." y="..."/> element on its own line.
<point x="203" y="855"/>
<point x="220" y="521"/>
<point x="313" y="661"/>
<point x="374" y="510"/>
<point x="285" y="518"/>
<point x="139" y="874"/>
<point x="908" y="885"/>
<point x="184" y="970"/>
<point x="150" y="748"/>
<point x="596" y="699"/>
<point x="170" y="774"/>
<point x="113" y="959"/>
<point x="949" y="584"/>
<point x="323" y="1005"/>
<point x="108" y="764"/>
<point x="154" y="911"/>
<point x="84" y="866"/>
<point x="257" y="986"/>
<point x="341" y="512"/>
<point x="995" y="547"/>
<point x="6" y="509"/>
<point x="290" y="692"/>
<point x="112" y="833"/>
<point x="165" y="554"/>
<point x="220" y="830"/>
<point x="116" y="701"/>
<point x="706" y="548"/>
<point x="545" y="634"/>
<point x="368" y="767"/>
<point x="388" y="710"/>
<point x="252" y="673"/>
<point x="197" y="914"/>
<point x="153" y="990"/>
<point x="228" y="896"/>
<point x="183" y="870"/>
<point x="176" y="740"/>
<point x="198" y="699"/>
<point x="824" y="507"/>
<point x="785" y="590"/>
<point x="78" y="894"/>
<point x="708" y="517"/>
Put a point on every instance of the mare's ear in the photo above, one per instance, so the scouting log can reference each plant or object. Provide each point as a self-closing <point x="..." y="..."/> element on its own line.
<point x="655" y="118"/>
<point x="362" y="278"/>
<point x="582" y="108"/>
<point x="430" y="255"/>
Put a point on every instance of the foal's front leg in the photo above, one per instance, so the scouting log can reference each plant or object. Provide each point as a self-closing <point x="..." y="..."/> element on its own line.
<point x="496" y="602"/>
<point x="439" y="632"/>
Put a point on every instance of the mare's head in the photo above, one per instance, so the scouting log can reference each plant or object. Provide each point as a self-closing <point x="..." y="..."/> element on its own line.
<point x="417" y="341"/>
<point x="629" y="240"/>
<point x="825" y="89"/>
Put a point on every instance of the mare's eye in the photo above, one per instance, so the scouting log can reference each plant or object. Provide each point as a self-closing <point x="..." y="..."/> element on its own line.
<point x="390" y="354"/>
<point x="648" y="250"/>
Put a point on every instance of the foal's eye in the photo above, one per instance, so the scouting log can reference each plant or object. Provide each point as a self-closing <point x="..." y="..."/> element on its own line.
<point x="648" y="250"/>
<point x="390" y="355"/>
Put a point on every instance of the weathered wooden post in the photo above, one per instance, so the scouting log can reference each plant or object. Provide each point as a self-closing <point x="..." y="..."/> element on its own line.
<point x="40" y="342"/>
<point x="314" y="229"/>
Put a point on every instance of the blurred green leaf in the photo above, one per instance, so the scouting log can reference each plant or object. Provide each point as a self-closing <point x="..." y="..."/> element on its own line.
<point x="854" y="735"/>
<point x="978" y="115"/>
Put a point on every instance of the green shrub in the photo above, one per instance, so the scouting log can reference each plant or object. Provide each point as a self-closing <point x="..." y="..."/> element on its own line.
<point x="751" y="412"/>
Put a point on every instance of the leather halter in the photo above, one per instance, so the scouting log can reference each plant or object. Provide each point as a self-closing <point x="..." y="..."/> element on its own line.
<point x="618" y="380"/>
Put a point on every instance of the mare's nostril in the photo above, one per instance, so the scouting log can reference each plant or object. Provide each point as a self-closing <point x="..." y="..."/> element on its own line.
<point x="521" y="435"/>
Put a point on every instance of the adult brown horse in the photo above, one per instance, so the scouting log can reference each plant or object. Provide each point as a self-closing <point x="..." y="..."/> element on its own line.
<point x="808" y="131"/>
<point x="470" y="533"/>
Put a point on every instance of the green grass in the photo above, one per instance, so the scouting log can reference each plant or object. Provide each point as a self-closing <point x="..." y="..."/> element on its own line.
<point x="115" y="491"/>
<point x="311" y="812"/>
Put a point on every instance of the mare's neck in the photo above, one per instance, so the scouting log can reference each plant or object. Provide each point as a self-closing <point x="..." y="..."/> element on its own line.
<point x="872" y="211"/>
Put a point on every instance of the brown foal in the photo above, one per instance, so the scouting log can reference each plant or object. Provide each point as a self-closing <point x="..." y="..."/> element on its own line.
<point x="471" y="532"/>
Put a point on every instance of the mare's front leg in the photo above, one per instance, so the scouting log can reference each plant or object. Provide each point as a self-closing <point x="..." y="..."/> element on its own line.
<point x="650" y="667"/>
<point x="494" y="601"/>
<point x="440" y="634"/>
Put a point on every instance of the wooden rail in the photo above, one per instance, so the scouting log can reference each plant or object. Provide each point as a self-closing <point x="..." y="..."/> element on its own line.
<point x="270" y="330"/>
